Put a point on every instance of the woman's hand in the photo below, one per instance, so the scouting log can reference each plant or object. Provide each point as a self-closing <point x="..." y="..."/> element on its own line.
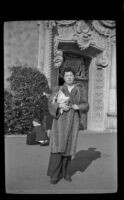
<point x="75" y="107"/>
<point x="64" y="106"/>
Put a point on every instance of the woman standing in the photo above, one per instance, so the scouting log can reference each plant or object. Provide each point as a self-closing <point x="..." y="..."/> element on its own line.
<point x="65" y="127"/>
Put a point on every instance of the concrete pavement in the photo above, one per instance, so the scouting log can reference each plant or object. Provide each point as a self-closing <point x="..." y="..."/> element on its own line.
<point x="94" y="168"/>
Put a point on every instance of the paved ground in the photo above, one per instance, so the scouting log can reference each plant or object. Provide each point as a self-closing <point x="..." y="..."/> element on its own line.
<point x="94" y="169"/>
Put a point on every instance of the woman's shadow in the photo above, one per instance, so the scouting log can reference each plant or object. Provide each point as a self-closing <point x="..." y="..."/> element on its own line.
<point x="83" y="159"/>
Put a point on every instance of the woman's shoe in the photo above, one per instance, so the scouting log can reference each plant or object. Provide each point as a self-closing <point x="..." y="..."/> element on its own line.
<point x="45" y="143"/>
<point x="68" y="178"/>
<point x="55" y="180"/>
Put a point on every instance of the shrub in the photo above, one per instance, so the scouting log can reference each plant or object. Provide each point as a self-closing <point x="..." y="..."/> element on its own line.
<point x="27" y="101"/>
<point x="8" y="118"/>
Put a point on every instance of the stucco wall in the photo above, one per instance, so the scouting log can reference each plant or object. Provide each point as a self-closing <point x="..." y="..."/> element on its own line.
<point x="20" y="45"/>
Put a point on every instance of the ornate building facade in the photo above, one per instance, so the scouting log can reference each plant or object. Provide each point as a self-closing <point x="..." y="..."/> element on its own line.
<point x="89" y="46"/>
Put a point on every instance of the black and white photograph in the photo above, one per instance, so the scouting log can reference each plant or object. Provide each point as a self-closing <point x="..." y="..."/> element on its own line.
<point x="60" y="106"/>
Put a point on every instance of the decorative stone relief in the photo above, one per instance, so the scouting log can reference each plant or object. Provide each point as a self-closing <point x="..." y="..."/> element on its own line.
<point x="103" y="27"/>
<point x="102" y="60"/>
<point x="76" y="31"/>
<point x="103" y="33"/>
<point x="49" y="24"/>
<point x="83" y="34"/>
<point x="99" y="41"/>
<point x="65" y="32"/>
<point x="58" y="59"/>
<point x="108" y="23"/>
<point x="98" y="104"/>
<point x="58" y="54"/>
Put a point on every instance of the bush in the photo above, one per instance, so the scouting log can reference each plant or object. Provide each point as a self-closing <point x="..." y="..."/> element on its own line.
<point x="8" y="111"/>
<point x="27" y="101"/>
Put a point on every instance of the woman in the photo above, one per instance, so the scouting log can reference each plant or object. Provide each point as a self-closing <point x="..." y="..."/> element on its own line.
<point x="40" y="133"/>
<point x="65" y="127"/>
<point x="49" y="117"/>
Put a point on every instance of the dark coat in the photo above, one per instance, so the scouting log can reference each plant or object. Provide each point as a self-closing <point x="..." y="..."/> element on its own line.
<point x="40" y="133"/>
<point x="65" y="127"/>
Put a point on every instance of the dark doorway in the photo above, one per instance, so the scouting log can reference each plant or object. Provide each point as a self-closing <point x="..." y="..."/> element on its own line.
<point x="60" y="81"/>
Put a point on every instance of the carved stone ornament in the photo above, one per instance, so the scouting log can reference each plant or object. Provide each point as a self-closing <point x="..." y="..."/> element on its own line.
<point x="58" y="54"/>
<point x="103" y="27"/>
<point x="58" y="59"/>
<point x="82" y="27"/>
<point x="49" y="23"/>
<point x="108" y="23"/>
<point x="83" y="34"/>
<point x="102" y="60"/>
<point x="98" y="97"/>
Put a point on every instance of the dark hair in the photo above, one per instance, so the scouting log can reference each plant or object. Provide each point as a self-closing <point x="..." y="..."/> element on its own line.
<point x="68" y="69"/>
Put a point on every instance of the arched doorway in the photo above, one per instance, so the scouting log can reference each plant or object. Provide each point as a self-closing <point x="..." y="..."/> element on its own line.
<point x="80" y="60"/>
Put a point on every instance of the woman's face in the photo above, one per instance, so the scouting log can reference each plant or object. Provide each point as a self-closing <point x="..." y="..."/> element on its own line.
<point x="69" y="78"/>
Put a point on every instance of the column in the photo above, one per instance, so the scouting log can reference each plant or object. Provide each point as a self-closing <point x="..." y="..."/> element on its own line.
<point x="40" y="61"/>
<point x="48" y="52"/>
<point x="96" y="97"/>
<point x="112" y="105"/>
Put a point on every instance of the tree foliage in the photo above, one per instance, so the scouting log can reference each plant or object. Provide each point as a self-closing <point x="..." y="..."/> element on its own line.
<point x="25" y="100"/>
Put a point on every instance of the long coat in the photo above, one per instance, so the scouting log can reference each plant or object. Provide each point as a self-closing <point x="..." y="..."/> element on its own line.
<point x="65" y="127"/>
